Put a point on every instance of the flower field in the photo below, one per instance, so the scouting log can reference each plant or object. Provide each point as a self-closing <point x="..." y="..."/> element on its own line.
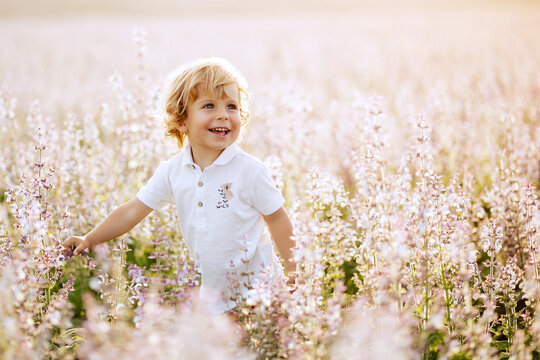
<point x="406" y="144"/>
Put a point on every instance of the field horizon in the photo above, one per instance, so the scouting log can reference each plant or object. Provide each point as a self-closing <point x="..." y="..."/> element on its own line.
<point x="168" y="8"/>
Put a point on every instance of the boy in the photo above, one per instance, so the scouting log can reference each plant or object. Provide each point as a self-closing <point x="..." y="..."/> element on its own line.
<point x="223" y="196"/>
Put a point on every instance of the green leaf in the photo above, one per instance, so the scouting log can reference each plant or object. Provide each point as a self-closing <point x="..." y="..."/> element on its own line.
<point x="460" y="356"/>
<point x="501" y="345"/>
<point x="435" y="339"/>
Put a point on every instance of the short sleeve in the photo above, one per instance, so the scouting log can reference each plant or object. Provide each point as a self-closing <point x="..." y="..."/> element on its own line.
<point x="264" y="195"/>
<point x="157" y="192"/>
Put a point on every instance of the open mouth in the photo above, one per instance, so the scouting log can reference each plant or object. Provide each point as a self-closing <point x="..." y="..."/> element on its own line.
<point x="220" y="131"/>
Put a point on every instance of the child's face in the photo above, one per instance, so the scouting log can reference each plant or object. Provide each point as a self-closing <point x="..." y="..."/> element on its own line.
<point x="212" y="123"/>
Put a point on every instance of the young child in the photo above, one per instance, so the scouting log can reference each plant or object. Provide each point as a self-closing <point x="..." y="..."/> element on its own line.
<point x="223" y="196"/>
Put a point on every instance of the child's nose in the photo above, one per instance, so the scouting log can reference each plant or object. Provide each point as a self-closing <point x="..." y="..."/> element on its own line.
<point x="223" y="114"/>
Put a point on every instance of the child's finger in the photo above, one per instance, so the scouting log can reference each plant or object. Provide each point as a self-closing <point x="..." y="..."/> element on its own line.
<point x="79" y="249"/>
<point x="71" y="242"/>
<point x="67" y="243"/>
<point x="291" y="278"/>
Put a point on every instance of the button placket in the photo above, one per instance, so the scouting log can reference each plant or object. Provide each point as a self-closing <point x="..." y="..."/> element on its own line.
<point x="200" y="200"/>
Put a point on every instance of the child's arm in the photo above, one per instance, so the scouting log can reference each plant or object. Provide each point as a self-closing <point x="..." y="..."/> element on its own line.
<point x="281" y="230"/>
<point x="120" y="220"/>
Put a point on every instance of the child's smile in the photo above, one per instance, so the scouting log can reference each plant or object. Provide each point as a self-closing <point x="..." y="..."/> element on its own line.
<point x="220" y="131"/>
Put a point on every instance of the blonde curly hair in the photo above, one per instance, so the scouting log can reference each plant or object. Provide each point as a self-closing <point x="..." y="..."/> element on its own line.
<point x="214" y="74"/>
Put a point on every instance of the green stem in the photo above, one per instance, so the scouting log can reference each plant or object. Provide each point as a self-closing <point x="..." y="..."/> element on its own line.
<point x="426" y="302"/>
<point x="118" y="278"/>
<point x="39" y="178"/>
<point x="447" y="297"/>
<point x="426" y="282"/>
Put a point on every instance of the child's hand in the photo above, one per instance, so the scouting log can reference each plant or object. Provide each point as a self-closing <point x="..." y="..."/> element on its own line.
<point x="77" y="244"/>
<point x="291" y="278"/>
<point x="292" y="281"/>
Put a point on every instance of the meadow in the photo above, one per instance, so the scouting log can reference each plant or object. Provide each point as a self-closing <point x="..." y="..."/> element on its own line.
<point x="406" y="144"/>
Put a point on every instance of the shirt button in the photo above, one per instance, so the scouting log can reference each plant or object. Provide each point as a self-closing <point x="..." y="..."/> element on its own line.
<point x="200" y="183"/>
<point x="200" y="204"/>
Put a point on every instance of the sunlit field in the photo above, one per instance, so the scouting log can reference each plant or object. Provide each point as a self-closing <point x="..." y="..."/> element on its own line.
<point x="405" y="141"/>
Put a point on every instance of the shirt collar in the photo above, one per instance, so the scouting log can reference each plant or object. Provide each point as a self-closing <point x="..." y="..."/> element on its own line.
<point x="187" y="159"/>
<point x="226" y="155"/>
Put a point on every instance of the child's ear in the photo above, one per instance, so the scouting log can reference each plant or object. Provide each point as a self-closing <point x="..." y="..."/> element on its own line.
<point x="181" y="126"/>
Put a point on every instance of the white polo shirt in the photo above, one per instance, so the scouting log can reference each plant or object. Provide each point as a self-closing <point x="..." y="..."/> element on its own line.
<point x="219" y="210"/>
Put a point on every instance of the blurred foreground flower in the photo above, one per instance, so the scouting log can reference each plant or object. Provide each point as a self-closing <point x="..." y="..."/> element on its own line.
<point x="373" y="333"/>
<point x="164" y="333"/>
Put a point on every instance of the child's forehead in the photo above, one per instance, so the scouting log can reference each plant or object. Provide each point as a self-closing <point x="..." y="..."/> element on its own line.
<point x="228" y="91"/>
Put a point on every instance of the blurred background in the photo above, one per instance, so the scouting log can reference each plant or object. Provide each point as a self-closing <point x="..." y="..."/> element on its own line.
<point x="180" y="7"/>
<point x="63" y="51"/>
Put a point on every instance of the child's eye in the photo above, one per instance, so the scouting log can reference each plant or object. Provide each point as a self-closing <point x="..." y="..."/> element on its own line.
<point x="232" y="107"/>
<point x="208" y="106"/>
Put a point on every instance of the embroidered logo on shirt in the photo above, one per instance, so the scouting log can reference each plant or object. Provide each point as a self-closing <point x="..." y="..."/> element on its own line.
<point x="225" y="194"/>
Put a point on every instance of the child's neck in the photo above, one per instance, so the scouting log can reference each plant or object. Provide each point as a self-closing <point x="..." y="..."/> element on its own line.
<point x="204" y="158"/>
